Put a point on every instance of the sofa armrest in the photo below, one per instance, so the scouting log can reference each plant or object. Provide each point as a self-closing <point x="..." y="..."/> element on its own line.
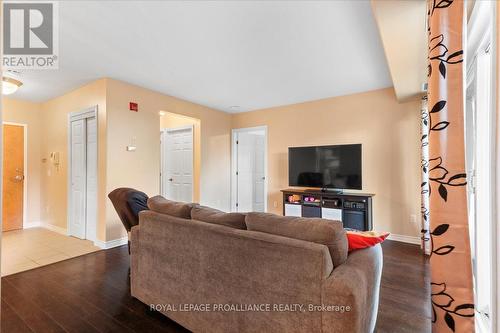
<point x="134" y="234"/>
<point x="355" y="284"/>
<point x="134" y="258"/>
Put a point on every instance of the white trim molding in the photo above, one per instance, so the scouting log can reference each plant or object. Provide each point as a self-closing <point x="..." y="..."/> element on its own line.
<point x="51" y="227"/>
<point x="33" y="224"/>
<point x="99" y="243"/>
<point x="41" y="224"/>
<point x="111" y="244"/>
<point x="405" y="239"/>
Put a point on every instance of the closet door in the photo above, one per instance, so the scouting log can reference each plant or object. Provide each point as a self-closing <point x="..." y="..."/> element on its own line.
<point x="250" y="163"/>
<point x="77" y="209"/>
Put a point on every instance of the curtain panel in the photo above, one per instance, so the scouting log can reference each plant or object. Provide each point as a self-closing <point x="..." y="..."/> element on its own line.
<point x="425" y="191"/>
<point x="449" y="246"/>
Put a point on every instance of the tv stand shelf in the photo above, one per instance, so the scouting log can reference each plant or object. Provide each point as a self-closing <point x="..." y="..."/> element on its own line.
<point x="353" y="209"/>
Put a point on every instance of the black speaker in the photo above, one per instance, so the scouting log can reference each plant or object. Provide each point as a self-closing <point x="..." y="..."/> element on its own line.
<point x="311" y="211"/>
<point x="354" y="219"/>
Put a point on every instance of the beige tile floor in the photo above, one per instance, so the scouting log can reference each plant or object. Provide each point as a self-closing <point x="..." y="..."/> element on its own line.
<point x="30" y="248"/>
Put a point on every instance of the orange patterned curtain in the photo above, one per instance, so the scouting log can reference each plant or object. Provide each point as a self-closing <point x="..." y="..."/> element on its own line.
<point x="451" y="268"/>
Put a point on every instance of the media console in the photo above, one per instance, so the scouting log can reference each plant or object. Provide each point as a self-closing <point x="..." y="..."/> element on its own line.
<point x="353" y="209"/>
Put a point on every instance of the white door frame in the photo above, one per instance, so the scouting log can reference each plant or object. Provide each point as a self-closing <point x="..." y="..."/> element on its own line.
<point x="162" y="155"/>
<point x="25" y="185"/>
<point x="234" y="159"/>
<point x="78" y="115"/>
<point x="481" y="27"/>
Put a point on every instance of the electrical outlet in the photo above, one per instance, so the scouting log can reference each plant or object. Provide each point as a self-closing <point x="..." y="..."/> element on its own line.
<point x="413" y="219"/>
<point x="275" y="204"/>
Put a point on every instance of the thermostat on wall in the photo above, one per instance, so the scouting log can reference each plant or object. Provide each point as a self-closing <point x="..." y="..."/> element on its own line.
<point x="132" y="144"/>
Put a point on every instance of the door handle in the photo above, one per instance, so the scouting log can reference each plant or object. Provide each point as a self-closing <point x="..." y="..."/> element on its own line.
<point x="18" y="178"/>
<point x="170" y="179"/>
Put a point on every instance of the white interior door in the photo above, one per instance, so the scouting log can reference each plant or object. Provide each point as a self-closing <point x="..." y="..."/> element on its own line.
<point x="245" y="164"/>
<point x="177" y="164"/>
<point x="83" y="174"/>
<point x="91" y="209"/>
<point x="249" y="166"/>
<point x="77" y="225"/>
<point x="259" y="197"/>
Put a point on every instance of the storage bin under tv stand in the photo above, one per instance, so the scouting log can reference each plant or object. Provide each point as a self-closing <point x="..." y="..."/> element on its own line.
<point x="353" y="209"/>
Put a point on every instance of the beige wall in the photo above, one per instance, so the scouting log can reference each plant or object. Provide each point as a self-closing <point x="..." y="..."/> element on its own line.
<point x="388" y="131"/>
<point x="406" y="57"/>
<point x="27" y="113"/>
<point x="142" y="167"/>
<point x="172" y="120"/>
<point x="54" y="120"/>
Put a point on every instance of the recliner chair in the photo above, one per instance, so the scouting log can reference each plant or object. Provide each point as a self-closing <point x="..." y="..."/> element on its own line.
<point x="128" y="203"/>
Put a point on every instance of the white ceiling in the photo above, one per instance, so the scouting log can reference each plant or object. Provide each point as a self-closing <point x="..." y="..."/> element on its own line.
<point x="220" y="54"/>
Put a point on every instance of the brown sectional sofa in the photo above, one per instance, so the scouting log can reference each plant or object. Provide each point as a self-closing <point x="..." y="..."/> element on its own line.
<point x="215" y="277"/>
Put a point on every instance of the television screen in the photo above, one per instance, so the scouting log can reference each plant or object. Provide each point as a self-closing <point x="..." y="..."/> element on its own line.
<point x="337" y="167"/>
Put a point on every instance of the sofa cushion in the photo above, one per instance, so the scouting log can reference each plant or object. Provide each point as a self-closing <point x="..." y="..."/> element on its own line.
<point x="211" y="215"/>
<point x="173" y="208"/>
<point x="316" y="230"/>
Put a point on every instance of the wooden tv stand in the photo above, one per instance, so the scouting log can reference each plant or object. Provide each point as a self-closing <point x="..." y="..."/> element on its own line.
<point x="353" y="209"/>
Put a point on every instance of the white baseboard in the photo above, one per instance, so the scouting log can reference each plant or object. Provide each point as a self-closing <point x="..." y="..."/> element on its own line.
<point x="405" y="239"/>
<point x="33" y="224"/>
<point x="112" y="243"/>
<point x="51" y="227"/>
<point x="63" y="231"/>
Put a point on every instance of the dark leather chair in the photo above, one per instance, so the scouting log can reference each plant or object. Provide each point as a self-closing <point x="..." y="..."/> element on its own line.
<point x="128" y="203"/>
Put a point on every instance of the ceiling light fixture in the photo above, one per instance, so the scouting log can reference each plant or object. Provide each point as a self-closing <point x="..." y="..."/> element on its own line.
<point x="10" y="85"/>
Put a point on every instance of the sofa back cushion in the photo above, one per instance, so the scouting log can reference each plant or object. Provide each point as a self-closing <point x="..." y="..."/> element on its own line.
<point x="316" y="230"/>
<point x="173" y="208"/>
<point x="211" y="215"/>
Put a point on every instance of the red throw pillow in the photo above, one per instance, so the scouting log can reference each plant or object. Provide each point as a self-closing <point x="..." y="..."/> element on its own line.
<point x="362" y="239"/>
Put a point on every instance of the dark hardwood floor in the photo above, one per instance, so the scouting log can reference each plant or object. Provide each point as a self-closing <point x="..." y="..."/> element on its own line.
<point x="91" y="294"/>
<point x="405" y="301"/>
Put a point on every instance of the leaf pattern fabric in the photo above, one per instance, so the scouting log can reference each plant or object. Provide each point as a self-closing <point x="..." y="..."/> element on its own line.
<point x="445" y="233"/>
<point x="425" y="187"/>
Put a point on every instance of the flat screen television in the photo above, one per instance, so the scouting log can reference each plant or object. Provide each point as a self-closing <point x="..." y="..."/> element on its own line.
<point x="326" y="167"/>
